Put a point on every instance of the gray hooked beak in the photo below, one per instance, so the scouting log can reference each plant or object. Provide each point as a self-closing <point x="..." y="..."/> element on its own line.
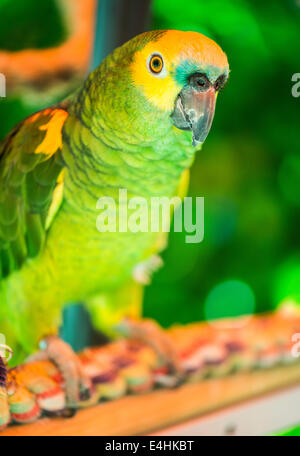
<point x="195" y="107"/>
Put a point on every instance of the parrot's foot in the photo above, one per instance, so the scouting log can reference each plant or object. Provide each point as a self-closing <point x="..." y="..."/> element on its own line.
<point x="143" y="271"/>
<point x="61" y="354"/>
<point x="150" y="333"/>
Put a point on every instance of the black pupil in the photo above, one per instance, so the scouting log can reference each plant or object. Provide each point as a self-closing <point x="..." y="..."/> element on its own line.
<point x="156" y="63"/>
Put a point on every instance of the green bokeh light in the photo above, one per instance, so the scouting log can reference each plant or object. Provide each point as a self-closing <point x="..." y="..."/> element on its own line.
<point x="287" y="280"/>
<point x="229" y="299"/>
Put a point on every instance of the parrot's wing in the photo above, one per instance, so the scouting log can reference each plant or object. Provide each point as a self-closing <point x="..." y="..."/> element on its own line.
<point x="30" y="178"/>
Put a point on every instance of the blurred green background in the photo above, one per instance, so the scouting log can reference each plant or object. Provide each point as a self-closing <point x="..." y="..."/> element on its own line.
<point x="248" y="170"/>
<point x="20" y="28"/>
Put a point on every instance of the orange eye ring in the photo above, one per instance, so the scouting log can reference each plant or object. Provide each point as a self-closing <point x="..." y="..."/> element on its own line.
<point x="156" y="63"/>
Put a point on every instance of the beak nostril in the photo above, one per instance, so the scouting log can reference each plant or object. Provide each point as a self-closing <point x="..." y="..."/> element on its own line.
<point x="220" y="83"/>
<point x="199" y="81"/>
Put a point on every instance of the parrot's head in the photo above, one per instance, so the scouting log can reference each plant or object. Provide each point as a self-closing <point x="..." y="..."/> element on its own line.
<point x="160" y="82"/>
<point x="181" y="73"/>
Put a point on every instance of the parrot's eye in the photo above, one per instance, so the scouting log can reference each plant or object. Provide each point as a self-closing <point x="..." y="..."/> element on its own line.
<point x="156" y="64"/>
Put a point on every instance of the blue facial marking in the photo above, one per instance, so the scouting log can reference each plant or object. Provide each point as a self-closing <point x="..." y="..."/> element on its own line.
<point x="188" y="67"/>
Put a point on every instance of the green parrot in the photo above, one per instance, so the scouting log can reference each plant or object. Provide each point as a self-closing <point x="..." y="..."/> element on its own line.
<point x="134" y="124"/>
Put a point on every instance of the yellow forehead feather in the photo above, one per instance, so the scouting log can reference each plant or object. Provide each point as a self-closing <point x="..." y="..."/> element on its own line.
<point x="174" y="46"/>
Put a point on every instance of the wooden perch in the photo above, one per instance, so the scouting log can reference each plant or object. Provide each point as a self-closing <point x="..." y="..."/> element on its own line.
<point x="133" y="415"/>
<point x="224" y="362"/>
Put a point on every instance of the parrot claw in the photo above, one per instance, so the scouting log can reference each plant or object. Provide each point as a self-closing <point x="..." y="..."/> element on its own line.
<point x="61" y="354"/>
<point x="150" y="333"/>
<point x="143" y="271"/>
